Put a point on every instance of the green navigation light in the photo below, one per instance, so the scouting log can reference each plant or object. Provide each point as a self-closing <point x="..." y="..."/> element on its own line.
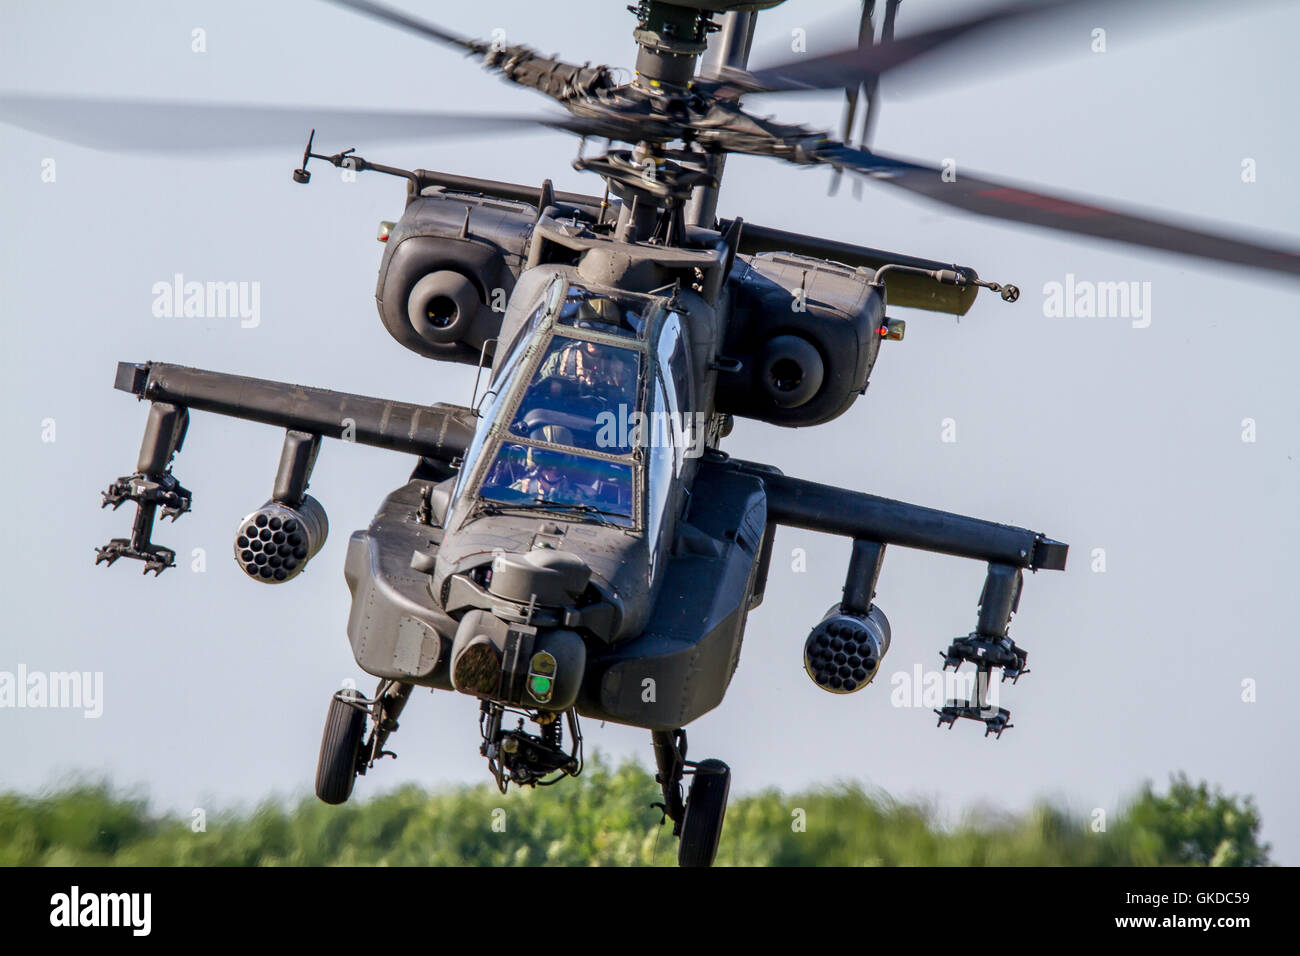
<point x="541" y="676"/>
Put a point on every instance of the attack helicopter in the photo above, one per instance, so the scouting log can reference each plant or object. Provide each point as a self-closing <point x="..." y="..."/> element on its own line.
<point x="576" y="543"/>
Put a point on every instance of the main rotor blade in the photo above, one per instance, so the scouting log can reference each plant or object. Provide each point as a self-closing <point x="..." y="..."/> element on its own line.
<point x="988" y="33"/>
<point x="854" y="91"/>
<point x="174" y="126"/>
<point x="424" y="28"/>
<point x="872" y="84"/>
<point x="986" y="197"/>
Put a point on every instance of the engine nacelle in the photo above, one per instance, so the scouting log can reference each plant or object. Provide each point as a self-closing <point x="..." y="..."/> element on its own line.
<point x="276" y="541"/>
<point x="844" y="652"/>
<point x="449" y="265"/>
<point x="804" y="335"/>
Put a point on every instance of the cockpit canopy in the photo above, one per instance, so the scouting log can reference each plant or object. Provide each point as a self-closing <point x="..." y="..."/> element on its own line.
<point x="594" y="311"/>
<point x="575" y="382"/>
<point x="556" y="432"/>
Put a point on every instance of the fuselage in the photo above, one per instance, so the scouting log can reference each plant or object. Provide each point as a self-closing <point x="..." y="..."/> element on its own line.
<point x="601" y="385"/>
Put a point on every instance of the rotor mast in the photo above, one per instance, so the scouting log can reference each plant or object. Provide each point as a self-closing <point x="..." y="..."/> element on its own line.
<point x="671" y="36"/>
<point x="729" y="49"/>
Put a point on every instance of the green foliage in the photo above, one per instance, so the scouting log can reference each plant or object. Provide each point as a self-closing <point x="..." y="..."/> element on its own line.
<point x="604" y="818"/>
<point x="1194" y="825"/>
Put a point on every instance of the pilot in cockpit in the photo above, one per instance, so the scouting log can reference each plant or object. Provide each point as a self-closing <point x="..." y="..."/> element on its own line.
<point x="584" y="362"/>
<point x="590" y="363"/>
<point x="544" y="475"/>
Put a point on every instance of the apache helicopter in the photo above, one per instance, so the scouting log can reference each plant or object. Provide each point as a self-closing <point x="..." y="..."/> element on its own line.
<point x="575" y="542"/>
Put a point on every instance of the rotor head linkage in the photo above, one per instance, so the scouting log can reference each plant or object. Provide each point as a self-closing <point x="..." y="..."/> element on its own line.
<point x="652" y="187"/>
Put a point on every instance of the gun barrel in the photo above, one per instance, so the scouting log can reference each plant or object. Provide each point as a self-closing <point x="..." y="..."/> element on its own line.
<point x="438" y="431"/>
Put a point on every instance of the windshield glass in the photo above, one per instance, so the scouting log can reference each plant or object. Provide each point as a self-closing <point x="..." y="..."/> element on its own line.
<point x="529" y="476"/>
<point x="492" y="397"/>
<point x="561" y="430"/>
<point x="601" y="313"/>
<point x="581" y="396"/>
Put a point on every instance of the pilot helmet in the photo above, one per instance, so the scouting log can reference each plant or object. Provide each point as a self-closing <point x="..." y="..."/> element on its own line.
<point x="555" y="434"/>
<point x="546" y="462"/>
<point x="606" y="310"/>
<point x="598" y="313"/>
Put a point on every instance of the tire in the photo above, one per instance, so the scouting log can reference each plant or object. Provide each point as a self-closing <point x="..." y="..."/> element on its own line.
<point x="706" y="806"/>
<point x="340" y="746"/>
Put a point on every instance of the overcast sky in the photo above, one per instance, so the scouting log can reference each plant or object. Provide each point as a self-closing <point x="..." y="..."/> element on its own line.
<point x="1099" y="433"/>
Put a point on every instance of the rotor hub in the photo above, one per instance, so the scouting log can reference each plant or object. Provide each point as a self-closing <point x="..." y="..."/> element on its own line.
<point x="671" y="38"/>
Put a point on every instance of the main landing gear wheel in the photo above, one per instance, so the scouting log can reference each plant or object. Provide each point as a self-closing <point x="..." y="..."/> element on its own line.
<point x="340" y="747"/>
<point x="697" y="820"/>
<point x="706" y="805"/>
